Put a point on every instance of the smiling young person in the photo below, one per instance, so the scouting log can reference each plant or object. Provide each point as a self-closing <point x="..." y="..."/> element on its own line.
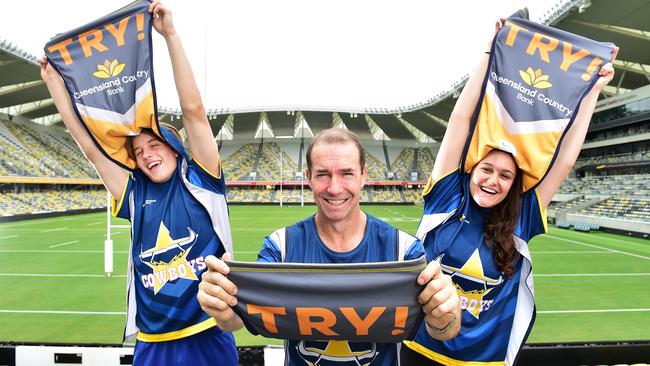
<point x="477" y="225"/>
<point x="340" y="232"/>
<point x="177" y="208"/>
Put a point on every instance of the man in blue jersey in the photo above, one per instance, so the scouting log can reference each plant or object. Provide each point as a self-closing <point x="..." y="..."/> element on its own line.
<point x="338" y="233"/>
<point x="178" y="214"/>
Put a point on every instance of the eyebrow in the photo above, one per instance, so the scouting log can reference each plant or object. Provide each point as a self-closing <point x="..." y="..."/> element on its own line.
<point x="140" y="147"/>
<point x="502" y="170"/>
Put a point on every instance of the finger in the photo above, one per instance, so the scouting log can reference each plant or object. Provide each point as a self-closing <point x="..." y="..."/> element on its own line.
<point x="436" y="300"/>
<point x="216" y="265"/>
<point x="221" y="289"/>
<point x="442" y="303"/>
<point x="433" y="287"/>
<point x="213" y="278"/>
<point x="614" y="53"/>
<point x="227" y="256"/>
<point x="429" y="272"/>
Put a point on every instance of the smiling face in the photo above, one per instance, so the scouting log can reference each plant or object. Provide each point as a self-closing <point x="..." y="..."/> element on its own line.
<point x="155" y="158"/>
<point x="336" y="179"/>
<point x="492" y="178"/>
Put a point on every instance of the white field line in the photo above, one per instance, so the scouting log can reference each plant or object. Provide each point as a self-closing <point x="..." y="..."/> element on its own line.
<point x="573" y="252"/>
<point x="9" y="236"/>
<point x="120" y="226"/>
<point x="62" y="244"/>
<point x="57" y="251"/>
<point x="55" y="229"/>
<point x="591" y="311"/>
<point x="597" y="247"/>
<point x="613" y="239"/>
<point x="63" y="312"/>
<point x="55" y="275"/>
<point x="95" y="223"/>
<point x="589" y="274"/>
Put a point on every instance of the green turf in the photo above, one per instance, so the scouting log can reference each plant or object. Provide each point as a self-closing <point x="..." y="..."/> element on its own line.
<point x="601" y="279"/>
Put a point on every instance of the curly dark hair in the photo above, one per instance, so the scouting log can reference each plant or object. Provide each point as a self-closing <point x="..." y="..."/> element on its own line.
<point x="500" y="225"/>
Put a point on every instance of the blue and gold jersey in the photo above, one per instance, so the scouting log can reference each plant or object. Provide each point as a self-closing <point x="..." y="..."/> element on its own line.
<point x="300" y="243"/>
<point x="497" y="312"/>
<point x="175" y="226"/>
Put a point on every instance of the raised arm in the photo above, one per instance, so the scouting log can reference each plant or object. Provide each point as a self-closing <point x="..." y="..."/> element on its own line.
<point x="572" y="142"/>
<point x="113" y="177"/>
<point x="453" y="143"/>
<point x="202" y="144"/>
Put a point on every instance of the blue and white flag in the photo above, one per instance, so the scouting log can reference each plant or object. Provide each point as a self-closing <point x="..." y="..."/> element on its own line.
<point x="107" y="68"/>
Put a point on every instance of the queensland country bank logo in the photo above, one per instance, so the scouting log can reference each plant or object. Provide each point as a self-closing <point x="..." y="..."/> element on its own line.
<point x="168" y="259"/>
<point x="337" y="353"/>
<point x="535" y="78"/>
<point x="472" y="285"/>
<point x="109" y="69"/>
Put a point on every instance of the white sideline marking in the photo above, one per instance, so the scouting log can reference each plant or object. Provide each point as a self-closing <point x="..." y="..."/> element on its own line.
<point x="613" y="239"/>
<point x="55" y="229"/>
<point x="62" y="244"/>
<point x="589" y="274"/>
<point x="596" y="246"/>
<point x="64" y="312"/>
<point x="573" y="252"/>
<point x="121" y="226"/>
<point x="592" y="311"/>
<point x="55" y="275"/>
<point x="56" y="251"/>
<point x="95" y="223"/>
<point x="8" y="236"/>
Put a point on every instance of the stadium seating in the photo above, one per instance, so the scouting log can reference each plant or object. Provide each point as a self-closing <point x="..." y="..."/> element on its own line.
<point x="32" y="150"/>
<point x="51" y="200"/>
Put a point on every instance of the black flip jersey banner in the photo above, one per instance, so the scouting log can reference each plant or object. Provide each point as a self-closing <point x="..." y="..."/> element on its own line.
<point x="358" y="302"/>
<point x="108" y="72"/>
<point x="537" y="77"/>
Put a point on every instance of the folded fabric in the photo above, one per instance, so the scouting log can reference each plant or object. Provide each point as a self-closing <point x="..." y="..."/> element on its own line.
<point x="536" y="79"/>
<point x="107" y="69"/>
<point x="358" y="302"/>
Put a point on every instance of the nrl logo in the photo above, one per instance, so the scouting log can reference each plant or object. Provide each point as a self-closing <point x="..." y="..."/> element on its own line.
<point x="535" y="78"/>
<point x="108" y="69"/>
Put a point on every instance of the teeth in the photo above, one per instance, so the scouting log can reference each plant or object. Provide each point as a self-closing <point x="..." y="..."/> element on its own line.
<point x="151" y="165"/>
<point x="335" y="202"/>
<point x="488" y="190"/>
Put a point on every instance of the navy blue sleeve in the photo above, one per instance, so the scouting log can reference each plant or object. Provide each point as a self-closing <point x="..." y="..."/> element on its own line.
<point x="270" y="252"/>
<point x="532" y="218"/>
<point x="197" y="175"/>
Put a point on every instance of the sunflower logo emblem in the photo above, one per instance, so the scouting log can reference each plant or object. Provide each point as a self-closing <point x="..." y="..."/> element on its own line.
<point x="535" y="78"/>
<point x="108" y="69"/>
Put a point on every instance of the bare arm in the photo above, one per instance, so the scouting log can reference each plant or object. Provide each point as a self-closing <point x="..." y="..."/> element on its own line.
<point x="217" y="294"/>
<point x="572" y="143"/>
<point x="453" y="143"/>
<point x="113" y="177"/>
<point x="202" y="144"/>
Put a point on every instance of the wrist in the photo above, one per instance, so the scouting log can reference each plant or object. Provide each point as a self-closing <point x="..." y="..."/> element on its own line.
<point x="444" y="329"/>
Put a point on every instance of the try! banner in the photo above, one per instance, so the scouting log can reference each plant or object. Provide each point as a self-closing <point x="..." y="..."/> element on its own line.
<point x="107" y="69"/>
<point x="357" y="302"/>
<point x="536" y="80"/>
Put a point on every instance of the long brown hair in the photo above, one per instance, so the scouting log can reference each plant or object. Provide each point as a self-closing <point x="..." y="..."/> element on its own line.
<point x="500" y="225"/>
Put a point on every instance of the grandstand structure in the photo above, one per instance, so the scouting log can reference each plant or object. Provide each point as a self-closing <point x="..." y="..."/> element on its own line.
<point x="42" y="171"/>
<point x="263" y="150"/>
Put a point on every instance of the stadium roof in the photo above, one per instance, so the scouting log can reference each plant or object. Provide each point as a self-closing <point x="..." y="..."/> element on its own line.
<point x="625" y="23"/>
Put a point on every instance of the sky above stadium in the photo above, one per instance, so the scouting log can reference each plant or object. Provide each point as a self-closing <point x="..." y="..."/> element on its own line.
<point x="336" y="53"/>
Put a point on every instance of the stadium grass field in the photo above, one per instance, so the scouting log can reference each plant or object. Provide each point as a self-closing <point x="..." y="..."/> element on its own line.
<point x="589" y="286"/>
